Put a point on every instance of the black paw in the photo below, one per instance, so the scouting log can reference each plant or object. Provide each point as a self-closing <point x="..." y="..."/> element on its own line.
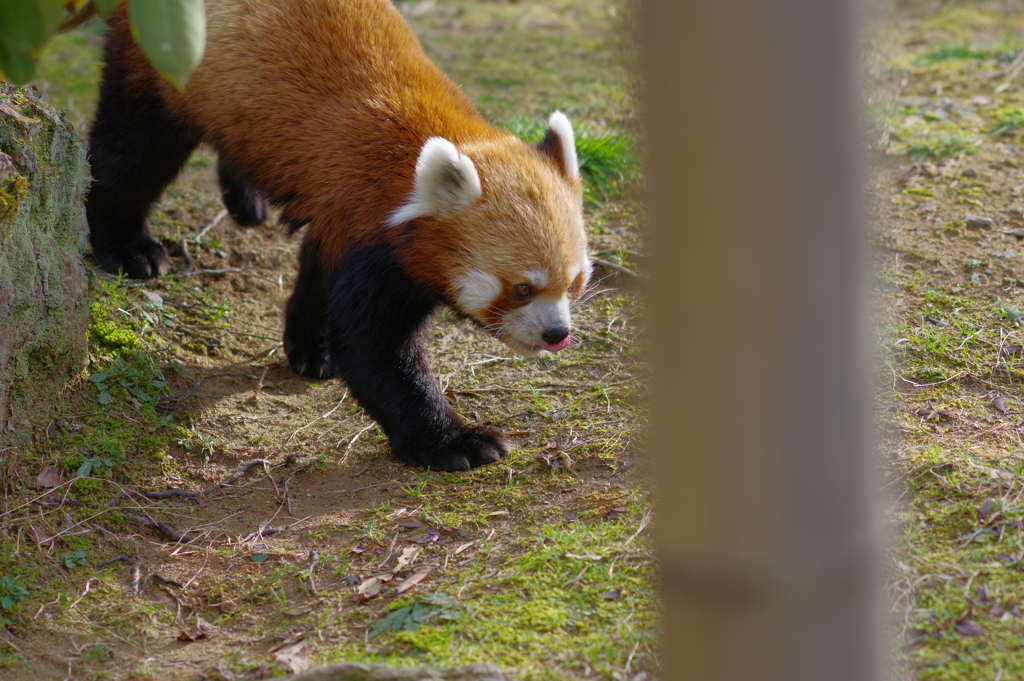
<point x="143" y="258"/>
<point x="470" y="448"/>
<point x="246" y="207"/>
<point x="309" y="362"/>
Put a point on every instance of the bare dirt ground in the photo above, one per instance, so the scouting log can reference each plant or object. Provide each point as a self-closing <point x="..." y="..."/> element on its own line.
<point x="946" y="196"/>
<point x="543" y="556"/>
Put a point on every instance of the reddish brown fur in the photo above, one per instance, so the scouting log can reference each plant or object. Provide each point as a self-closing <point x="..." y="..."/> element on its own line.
<point x="327" y="103"/>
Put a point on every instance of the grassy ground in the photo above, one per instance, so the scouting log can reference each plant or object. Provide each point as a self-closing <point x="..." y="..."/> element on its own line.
<point x="306" y="543"/>
<point x="947" y="113"/>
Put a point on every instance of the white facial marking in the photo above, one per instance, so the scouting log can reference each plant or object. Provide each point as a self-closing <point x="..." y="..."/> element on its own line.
<point x="476" y="290"/>
<point x="446" y="180"/>
<point x="538" y="278"/>
<point x="587" y="267"/>
<point x="524" y="327"/>
<point x="560" y="125"/>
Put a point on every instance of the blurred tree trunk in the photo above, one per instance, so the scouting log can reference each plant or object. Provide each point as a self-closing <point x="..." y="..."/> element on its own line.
<point x="761" y="430"/>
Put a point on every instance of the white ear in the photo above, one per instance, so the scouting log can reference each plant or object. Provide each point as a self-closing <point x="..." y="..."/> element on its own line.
<point x="560" y="125"/>
<point x="446" y="180"/>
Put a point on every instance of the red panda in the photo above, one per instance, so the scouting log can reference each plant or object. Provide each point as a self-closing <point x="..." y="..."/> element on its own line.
<point x="330" y="110"/>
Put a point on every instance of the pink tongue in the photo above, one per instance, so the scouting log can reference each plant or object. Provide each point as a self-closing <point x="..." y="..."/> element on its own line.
<point x="560" y="345"/>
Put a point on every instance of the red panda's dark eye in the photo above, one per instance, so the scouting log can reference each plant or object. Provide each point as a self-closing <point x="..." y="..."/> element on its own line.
<point x="523" y="291"/>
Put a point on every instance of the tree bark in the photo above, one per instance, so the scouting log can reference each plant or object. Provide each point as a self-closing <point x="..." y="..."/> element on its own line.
<point x="43" y="284"/>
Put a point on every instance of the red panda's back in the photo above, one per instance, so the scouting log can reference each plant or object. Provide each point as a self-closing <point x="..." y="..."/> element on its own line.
<point x="328" y="101"/>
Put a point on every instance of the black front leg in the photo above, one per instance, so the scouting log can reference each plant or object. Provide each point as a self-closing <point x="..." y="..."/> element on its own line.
<point x="136" y="148"/>
<point x="305" y="333"/>
<point x="376" y="318"/>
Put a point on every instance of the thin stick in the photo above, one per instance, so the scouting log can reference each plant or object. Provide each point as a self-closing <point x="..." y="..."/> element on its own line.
<point x="164" y="528"/>
<point x="617" y="268"/>
<point x="259" y="384"/>
<point x="1012" y="71"/>
<point x="210" y="225"/>
<point x="191" y="392"/>
<point x="226" y="270"/>
<point x="318" y="418"/>
<point x="243" y="469"/>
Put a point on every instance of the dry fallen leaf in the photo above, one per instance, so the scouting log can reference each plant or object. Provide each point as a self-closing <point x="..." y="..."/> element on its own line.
<point x="293" y="658"/>
<point x="409" y="523"/>
<point x="39" y="536"/>
<point x="414" y="579"/>
<point x="969" y="629"/>
<point x="409" y="555"/>
<point x="966" y="627"/>
<point x="48" y="478"/>
<point x="202" y="629"/>
<point x="368" y="589"/>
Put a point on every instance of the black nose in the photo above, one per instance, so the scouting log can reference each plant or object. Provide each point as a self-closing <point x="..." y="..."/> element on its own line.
<point x="555" y="334"/>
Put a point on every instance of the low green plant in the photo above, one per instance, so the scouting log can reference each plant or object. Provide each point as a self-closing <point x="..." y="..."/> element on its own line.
<point x="139" y="380"/>
<point x="11" y="592"/>
<point x="99" y="459"/>
<point x="607" y="162"/>
<point x="71" y="560"/>
<point x="948" y="51"/>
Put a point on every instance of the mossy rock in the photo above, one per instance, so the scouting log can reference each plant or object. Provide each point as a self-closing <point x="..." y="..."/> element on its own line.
<point x="43" y="283"/>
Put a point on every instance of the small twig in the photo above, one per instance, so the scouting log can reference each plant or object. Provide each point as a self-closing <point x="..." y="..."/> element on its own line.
<point x="313" y="558"/>
<point x="353" y="441"/>
<point x="928" y="385"/>
<point x="124" y="556"/>
<point x="236" y="475"/>
<point x="318" y="418"/>
<point x="163" y="579"/>
<point x="195" y="238"/>
<point x="135" y="586"/>
<point x="162" y="527"/>
<point x="179" y="399"/>
<point x="618" y="268"/>
<point x="1011" y="71"/>
<point x="188" y="257"/>
<point x="210" y="225"/>
<point x="21" y="652"/>
<point x="227" y="270"/>
<point x="259" y="385"/>
<point x="88" y="584"/>
<point x="167" y="494"/>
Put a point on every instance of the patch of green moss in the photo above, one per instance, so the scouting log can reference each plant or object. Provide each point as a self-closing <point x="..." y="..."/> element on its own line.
<point x="103" y="330"/>
<point x="12" y="193"/>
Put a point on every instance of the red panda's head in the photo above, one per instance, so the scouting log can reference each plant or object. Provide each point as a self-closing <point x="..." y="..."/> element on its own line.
<point x="507" y="229"/>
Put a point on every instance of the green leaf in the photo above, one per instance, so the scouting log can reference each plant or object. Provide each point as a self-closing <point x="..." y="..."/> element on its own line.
<point x="259" y="557"/>
<point x="99" y="378"/>
<point x="73" y="559"/>
<point x="394" y="621"/>
<point x="171" y="33"/>
<point x="84" y="469"/>
<point x="25" y="25"/>
<point x="104" y="398"/>
<point x="410" y="617"/>
<point x="105" y="8"/>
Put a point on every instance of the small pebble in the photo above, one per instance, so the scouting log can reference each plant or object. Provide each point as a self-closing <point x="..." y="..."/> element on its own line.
<point x="969" y="172"/>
